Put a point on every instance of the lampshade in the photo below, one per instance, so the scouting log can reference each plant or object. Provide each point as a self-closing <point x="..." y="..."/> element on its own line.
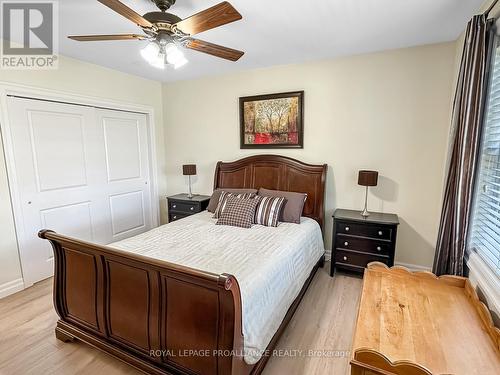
<point x="368" y="178"/>
<point x="189" y="169"/>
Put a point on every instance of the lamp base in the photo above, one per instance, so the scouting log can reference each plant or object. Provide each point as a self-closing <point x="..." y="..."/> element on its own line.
<point x="365" y="212"/>
<point x="190" y="193"/>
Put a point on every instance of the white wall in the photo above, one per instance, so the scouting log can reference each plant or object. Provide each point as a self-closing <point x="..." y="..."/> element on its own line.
<point x="84" y="79"/>
<point x="386" y="111"/>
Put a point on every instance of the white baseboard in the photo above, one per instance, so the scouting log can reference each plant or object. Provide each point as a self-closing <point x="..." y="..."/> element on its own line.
<point x="328" y="255"/>
<point x="11" y="287"/>
<point x="413" y="267"/>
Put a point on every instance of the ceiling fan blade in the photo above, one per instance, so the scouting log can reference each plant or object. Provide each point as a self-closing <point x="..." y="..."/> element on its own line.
<point x="92" y="38"/>
<point x="214" y="49"/>
<point x="126" y="12"/>
<point x="210" y="18"/>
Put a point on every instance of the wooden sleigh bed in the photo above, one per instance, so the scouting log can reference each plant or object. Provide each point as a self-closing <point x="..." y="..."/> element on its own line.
<point x="182" y="320"/>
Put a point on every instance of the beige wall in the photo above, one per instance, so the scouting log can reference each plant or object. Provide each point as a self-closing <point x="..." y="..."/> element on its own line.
<point x="495" y="12"/>
<point x="85" y="79"/>
<point x="387" y="111"/>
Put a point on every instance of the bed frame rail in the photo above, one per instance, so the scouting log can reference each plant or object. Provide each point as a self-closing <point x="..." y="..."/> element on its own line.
<point x="157" y="316"/>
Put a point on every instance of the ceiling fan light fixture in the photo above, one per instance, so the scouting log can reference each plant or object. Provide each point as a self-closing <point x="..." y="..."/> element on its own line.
<point x="180" y="63"/>
<point x="158" y="62"/>
<point x="174" y="54"/>
<point x="150" y="52"/>
<point x="160" y="52"/>
<point x="171" y="48"/>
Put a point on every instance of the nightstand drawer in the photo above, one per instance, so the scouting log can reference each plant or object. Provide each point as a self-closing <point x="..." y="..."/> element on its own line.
<point x="364" y="230"/>
<point x="357" y="259"/>
<point x="184" y="207"/>
<point x="359" y="240"/>
<point x="175" y="216"/>
<point x="345" y="242"/>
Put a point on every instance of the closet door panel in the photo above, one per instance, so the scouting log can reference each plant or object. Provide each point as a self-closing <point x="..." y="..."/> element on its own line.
<point x="125" y="138"/>
<point x="56" y="173"/>
<point x="80" y="171"/>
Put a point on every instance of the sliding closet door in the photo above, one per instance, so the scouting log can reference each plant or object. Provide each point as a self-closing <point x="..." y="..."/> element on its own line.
<point x="80" y="171"/>
<point x="127" y="190"/>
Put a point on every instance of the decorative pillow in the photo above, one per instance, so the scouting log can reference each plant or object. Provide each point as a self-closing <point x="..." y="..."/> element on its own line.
<point x="223" y="199"/>
<point x="214" y="199"/>
<point x="294" y="204"/>
<point x="239" y="212"/>
<point x="269" y="210"/>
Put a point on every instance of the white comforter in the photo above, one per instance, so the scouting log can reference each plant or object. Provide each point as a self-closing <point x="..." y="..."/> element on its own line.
<point x="270" y="264"/>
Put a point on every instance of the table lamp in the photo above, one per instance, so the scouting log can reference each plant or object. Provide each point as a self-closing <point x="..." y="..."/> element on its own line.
<point x="189" y="170"/>
<point x="367" y="178"/>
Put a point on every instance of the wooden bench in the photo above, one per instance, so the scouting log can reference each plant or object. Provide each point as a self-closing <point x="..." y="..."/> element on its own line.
<point x="414" y="323"/>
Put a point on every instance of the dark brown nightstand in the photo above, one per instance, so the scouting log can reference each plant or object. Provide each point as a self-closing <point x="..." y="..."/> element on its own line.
<point x="358" y="241"/>
<point x="181" y="205"/>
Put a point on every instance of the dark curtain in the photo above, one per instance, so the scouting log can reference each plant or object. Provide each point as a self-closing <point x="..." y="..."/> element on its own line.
<point x="468" y="109"/>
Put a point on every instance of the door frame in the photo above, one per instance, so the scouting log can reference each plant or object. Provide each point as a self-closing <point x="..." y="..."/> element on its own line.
<point x="32" y="92"/>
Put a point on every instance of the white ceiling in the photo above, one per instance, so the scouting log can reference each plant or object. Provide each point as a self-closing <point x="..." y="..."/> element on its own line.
<point x="272" y="32"/>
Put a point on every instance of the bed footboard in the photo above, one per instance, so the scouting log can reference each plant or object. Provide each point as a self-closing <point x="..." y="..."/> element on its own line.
<point x="157" y="316"/>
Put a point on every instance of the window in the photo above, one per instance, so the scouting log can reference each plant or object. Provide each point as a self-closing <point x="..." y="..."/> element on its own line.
<point x="484" y="236"/>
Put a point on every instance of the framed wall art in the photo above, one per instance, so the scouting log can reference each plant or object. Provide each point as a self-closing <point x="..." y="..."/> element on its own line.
<point x="272" y="121"/>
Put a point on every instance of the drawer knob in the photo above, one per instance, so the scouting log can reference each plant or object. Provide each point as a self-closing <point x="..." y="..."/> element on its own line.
<point x="380" y="233"/>
<point x="379" y="248"/>
<point x="175" y="217"/>
<point x="346" y="243"/>
<point x="191" y="208"/>
<point x="174" y="206"/>
<point x="345" y="258"/>
<point x="347" y="229"/>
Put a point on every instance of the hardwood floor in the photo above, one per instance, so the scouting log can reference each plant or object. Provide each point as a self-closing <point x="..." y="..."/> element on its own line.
<point x="317" y="340"/>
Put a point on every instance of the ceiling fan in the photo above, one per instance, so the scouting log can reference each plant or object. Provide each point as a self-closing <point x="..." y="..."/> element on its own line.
<point x="167" y="32"/>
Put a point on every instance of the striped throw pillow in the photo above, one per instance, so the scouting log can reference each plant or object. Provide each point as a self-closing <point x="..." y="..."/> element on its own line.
<point x="268" y="211"/>
<point x="223" y="200"/>
<point x="239" y="212"/>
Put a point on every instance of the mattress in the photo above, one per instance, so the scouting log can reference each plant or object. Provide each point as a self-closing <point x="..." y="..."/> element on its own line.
<point x="270" y="264"/>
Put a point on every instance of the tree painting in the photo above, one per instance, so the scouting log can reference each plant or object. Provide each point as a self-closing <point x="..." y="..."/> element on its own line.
<point x="273" y="121"/>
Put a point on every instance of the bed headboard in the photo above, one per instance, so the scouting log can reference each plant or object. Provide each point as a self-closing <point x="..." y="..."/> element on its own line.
<point x="277" y="173"/>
